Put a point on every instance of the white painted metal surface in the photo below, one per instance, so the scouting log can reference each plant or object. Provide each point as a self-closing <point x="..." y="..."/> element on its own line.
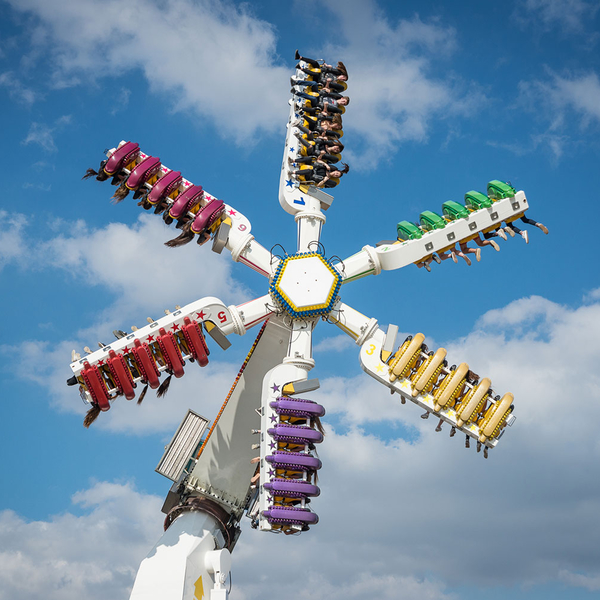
<point x="175" y="569"/>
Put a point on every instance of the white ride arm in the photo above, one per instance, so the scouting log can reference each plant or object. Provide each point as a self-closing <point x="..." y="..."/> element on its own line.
<point x="388" y="257"/>
<point x="396" y="256"/>
<point x="216" y="317"/>
<point x="350" y="321"/>
<point x="295" y="198"/>
<point x="218" y="320"/>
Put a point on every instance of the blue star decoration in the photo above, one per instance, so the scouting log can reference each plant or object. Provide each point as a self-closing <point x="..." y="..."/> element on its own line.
<point x="289" y="183"/>
<point x="275" y="388"/>
<point x="292" y="149"/>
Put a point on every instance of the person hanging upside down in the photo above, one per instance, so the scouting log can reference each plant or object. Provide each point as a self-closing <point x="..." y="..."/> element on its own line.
<point x="323" y="67"/>
<point x="325" y="104"/>
<point x="327" y="83"/>
<point x="315" y="100"/>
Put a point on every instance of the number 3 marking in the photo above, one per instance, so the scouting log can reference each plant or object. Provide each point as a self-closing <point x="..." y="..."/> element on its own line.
<point x="371" y="349"/>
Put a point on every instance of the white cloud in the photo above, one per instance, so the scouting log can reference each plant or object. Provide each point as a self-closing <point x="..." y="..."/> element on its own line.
<point x="555" y="144"/>
<point x="202" y="54"/>
<point x="394" y="97"/>
<point x="43" y="135"/>
<point x="40" y="187"/>
<point x="123" y="103"/>
<point x="581" y="94"/>
<point x="559" y="103"/>
<point x="568" y="16"/>
<point x="16" y="89"/>
<point x="337" y="343"/>
<point x="13" y="246"/>
<point x="70" y="557"/>
<point x="131" y="262"/>
<point x="413" y="514"/>
<point x="578" y="580"/>
<point x="115" y="257"/>
<point x="134" y="264"/>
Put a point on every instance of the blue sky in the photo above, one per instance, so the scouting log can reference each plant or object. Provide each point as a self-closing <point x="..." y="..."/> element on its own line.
<point x="445" y="97"/>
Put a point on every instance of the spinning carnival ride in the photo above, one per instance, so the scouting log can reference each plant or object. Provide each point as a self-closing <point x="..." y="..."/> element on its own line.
<point x="217" y="476"/>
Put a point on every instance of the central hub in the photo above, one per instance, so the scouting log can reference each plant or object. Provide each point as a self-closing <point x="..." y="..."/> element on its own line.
<point x="305" y="285"/>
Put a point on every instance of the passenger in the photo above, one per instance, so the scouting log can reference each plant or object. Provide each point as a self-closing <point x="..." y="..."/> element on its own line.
<point x="329" y="154"/>
<point x="427" y="261"/>
<point x="322" y="174"/>
<point x="452" y="252"/>
<point x="325" y="129"/>
<point x="322" y="144"/>
<point x="322" y="95"/>
<point x="322" y="80"/>
<point x="485" y="242"/>
<point x="321" y="122"/>
<point x="512" y="228"/>
<point x="465" y="249"/>
<point x="498" y="232"/>
<point x="339" y="70"/>
<point x="325" y="104"/>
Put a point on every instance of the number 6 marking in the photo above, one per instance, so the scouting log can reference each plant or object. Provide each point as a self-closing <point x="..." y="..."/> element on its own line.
<point x="242" y="227"/>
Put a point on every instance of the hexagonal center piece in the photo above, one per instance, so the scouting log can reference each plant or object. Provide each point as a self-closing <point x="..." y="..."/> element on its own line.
<point x="305" y="285"/>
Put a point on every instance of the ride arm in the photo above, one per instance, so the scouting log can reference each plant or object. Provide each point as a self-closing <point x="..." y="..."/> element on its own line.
<point x="453" y="394"/>
<point x="395" y="255"/>
<point x="231" y="231"/>
<point x="218" y="320"/>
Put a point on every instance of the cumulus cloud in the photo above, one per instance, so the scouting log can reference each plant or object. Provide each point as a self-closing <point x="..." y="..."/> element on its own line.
<point x="196" y="52"/>
<point x="394" y="95"/>
<point x="17" y="90"/>
<point x="201" y="70"/>
<point x="412" y="511"/>
<point x="568" y="16"/>
<point x="113" y="257"/>
<point x="337" y="343"/>
<point x="559" y="95"/>
<point x="116" y="257"/>
<point x="43" y="135"/>
<point x="70" y="557"/>
<point x="13" y="246"/>
<point x="565" y="105"/>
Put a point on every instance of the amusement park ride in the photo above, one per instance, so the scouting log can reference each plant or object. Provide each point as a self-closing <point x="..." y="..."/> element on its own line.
<point x="258" y="456"/>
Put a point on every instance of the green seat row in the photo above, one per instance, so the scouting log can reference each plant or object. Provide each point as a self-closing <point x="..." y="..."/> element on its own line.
<point x="429" y="220"/>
